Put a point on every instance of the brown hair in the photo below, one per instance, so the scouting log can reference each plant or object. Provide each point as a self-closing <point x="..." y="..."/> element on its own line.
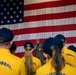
<point x="29" y="63"/>
<point x="58" y="61"/>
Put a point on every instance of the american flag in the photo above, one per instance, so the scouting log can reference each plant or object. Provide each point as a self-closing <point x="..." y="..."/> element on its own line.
<point x="38" y="19"/>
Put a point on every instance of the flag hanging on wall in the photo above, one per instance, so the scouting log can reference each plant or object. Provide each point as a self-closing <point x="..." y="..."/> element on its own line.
<point x="38" y="19"/>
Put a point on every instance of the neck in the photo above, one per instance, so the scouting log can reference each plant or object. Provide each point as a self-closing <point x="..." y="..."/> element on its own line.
<point x="7" y="47"/>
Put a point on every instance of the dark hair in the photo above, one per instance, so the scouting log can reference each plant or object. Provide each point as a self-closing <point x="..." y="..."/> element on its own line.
<point x="13" y="47"/>
<point x="58" y="61"/>
<point x="73" y="48"/>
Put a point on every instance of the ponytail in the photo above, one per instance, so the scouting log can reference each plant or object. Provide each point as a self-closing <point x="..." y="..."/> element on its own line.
<point x="29" y="63"/>
<point x="58" y="61"/>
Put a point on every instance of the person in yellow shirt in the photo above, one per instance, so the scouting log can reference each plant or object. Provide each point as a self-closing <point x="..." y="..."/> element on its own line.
<point x="56" y="65"/>
<point x="9" y="64"/>
<point x="68" y="54"/>
<point x="72" y="47"/>
<point x="32" y="63"/>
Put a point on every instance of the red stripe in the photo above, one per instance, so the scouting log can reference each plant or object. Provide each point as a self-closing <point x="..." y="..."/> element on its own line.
<point x="49" y="4"/>
<point x="19" y="54"/>
<point x="21" y="43"/>
<point x="45" y="29"/>
<point x="50" y="16"/>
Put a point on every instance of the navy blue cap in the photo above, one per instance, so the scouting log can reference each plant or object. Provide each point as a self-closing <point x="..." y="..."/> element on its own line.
<point x="73" y="48"/>
<point x="6" y="35"/>
<point x="28" y="45"/>
<point x="13" y="47"/>
<point x="61" y="37"/>
<point x="48" y="43"/>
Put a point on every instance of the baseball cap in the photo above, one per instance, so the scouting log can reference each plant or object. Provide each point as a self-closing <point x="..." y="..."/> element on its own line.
<point x="61" y="37"/>
<point x="48" y="43"/>
<point x="28" y="45"/>
<point x="6" y="35"/>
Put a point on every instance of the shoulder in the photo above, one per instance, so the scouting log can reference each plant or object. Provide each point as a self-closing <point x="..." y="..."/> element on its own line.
<point x="15" y="58"/>
<point x="69" y="70"/>
<point x="35" y="58"/>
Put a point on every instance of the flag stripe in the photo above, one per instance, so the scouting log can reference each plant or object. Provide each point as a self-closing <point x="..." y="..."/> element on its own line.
<point x="25" y="36"/>
<point x="56" y="22"/>
<point x="50" y="16"/>
<point x="51" y="10"/>
<point x="37" y="1"/>
<point x="49" y="4"/>
<point x="69" y="40"/>
<point x="21" y="48"/>
<point x="45" y="28"/>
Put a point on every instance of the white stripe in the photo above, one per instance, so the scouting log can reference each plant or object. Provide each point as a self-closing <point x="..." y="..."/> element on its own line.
<point x="54" y="22"/>
<point x="52" y="10"/>
<point x="36" y="1"/>
<point x="21" y="48"/>
<point x="40" y="35"/>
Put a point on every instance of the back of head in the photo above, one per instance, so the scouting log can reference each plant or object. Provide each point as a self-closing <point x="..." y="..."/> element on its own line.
<point x="5" y="35"/>
<point x="13" y="48"/>
<point x="28" y="46"/>
<point x="73" y="48"/>
<point x="53" y="47"/>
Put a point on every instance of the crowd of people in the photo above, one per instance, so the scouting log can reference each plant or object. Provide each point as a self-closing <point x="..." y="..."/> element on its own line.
<point x="50" y="58"/>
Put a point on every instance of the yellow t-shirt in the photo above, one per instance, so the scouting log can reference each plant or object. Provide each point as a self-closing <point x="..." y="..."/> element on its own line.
<point x="69" y="60"/>
<point x="36" y="62"/>
<point x="48" y="69"/>
<point x="69" y="56"/>
<point x="10" y="64"/>
<point x="69" y="52"/>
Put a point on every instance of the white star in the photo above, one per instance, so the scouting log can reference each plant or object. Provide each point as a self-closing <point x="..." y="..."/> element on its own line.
<point x="1" y="21"/>
<point x="11" y="16"/>
<point x="20" y="3"/>
<point x="1" y="13"/>
<point x="5" y="9"/>
<point x="17" y="7"/>
<point x="11" y="0"/>
<point x="4" y="17"/>
<point x="4" y="0"/>
<point x="1" y="5"/>
<point x="11" y="8"/>
<point x="17" y="16"/>
<point x="8" y="21"/>
<point x="14" y="3"/>
<point x="14" y="20"/>
<point x="20" y="11"/>
<point x="14" y="12"/>
<point x="7" y="12"/>
<point x="20" y="20"/>
<point x="7" y="4"/>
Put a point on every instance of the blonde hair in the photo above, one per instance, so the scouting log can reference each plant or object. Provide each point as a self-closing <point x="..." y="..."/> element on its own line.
<point x="29" y="63"/>
<point x="58" y="61"/>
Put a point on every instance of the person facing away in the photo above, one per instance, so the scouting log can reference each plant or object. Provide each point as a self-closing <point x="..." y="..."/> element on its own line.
<point x="56" y="64"/>
<point x="13" y="48"/>
<point x="72" y="47"/>
<point x="9" y="64"/>
<point x="68" y="54"/>
<point x="32" y="63"/>
<point x="39" y="51"/>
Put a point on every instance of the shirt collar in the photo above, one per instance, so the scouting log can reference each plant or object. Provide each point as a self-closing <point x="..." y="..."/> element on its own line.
<point x="4" y="50"/>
